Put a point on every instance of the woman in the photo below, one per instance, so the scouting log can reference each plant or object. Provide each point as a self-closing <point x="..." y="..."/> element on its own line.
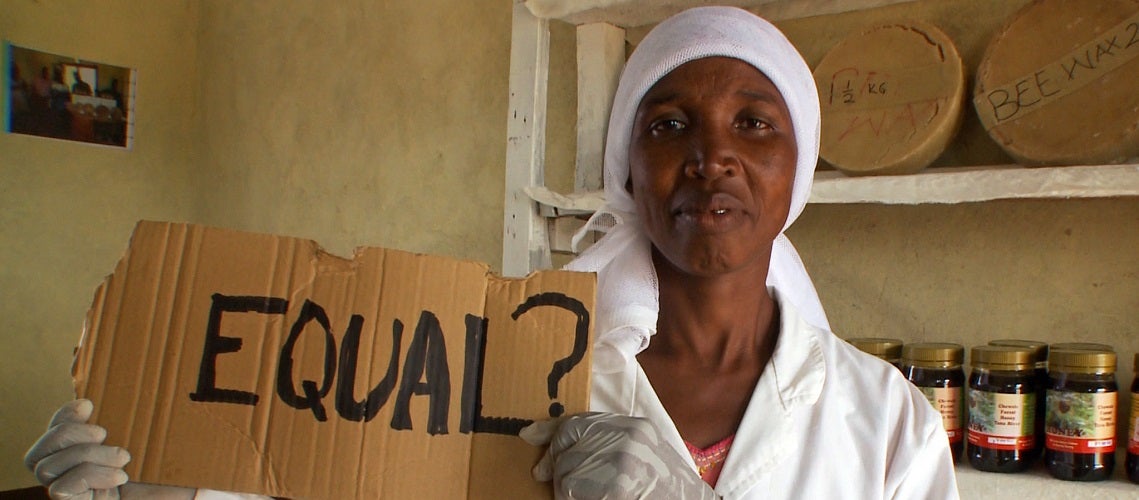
<point x="743" y="391"/>
<point x="712" y="144"/>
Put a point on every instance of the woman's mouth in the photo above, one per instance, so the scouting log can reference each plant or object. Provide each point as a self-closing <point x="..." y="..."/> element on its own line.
<point x="714" y="217"/>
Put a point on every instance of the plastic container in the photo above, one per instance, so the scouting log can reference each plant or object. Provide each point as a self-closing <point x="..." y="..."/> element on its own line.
<point x="1002" y="409"/>
<point x="1080" y="422"/>
<point x="935" y="368"/>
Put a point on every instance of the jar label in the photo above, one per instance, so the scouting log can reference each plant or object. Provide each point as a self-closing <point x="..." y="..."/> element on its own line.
<point x="1002" y="421"/>
<point x="1080" y="422"/>
<point x="1132" y="428"/>
<point x="948" y="401"/>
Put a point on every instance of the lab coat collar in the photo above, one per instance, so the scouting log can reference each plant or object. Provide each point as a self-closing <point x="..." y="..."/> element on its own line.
<point x="797" y="363"/>
<point x="793" y="379"/>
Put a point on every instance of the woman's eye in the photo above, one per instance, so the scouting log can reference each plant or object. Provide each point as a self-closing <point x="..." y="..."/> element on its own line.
<point x="668" y="125"/>
<point x="753" y="123"/>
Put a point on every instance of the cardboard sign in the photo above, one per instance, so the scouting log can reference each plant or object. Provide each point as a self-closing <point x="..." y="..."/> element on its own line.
<point x="258" y="363"/>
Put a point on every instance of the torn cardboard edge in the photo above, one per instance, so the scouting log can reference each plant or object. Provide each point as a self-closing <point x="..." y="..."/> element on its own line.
<point x="258" y="363"/>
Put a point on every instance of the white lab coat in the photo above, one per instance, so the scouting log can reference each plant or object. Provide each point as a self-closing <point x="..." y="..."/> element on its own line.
<point x="825" y="421"/>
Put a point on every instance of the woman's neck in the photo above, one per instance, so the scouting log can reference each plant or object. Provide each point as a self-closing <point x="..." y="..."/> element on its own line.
<point x="723" y="319"/>
<point x="715" y="336"/>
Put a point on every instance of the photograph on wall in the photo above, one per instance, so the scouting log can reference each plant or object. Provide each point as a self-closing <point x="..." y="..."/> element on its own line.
<point x="51" y="95"/>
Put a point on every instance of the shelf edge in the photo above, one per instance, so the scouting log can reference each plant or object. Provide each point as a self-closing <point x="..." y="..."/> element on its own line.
<point x="965" y="185"/>
<point x="635" y="13"/>
<point x="944" y="185"/>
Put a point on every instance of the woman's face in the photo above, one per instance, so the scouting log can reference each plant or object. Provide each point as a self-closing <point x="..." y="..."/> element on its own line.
<point x="711" y="165"/>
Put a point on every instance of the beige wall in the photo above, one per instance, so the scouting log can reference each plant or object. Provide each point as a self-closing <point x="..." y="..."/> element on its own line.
<point x="352" y="123"/>
<point x="67" y="209"/>
<point x="1061" y="270"/>
<point x="357" y="123"/>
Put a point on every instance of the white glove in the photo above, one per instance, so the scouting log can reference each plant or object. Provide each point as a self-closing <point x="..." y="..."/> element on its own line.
<point x="71" y="460"/>
<point x="605" y="455"/>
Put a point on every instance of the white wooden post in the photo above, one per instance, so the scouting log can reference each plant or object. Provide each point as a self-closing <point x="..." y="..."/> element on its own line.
<point x="525" y="246"/>
<point x="600" y="58"/>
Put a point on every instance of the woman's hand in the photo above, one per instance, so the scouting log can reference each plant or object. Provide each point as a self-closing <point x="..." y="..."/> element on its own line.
<point x="605" y="455"/>
<point x="72" y="461"/>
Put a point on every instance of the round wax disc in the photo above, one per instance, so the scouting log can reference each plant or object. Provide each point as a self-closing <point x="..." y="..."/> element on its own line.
<point x="1059" y="83"/>
<point x="892" y="99"/>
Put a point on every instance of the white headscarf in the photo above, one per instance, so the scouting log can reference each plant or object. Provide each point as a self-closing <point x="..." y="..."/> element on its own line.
<point x="628" y="302"/>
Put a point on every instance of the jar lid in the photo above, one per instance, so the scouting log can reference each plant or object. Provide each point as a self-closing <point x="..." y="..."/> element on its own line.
<point x="1086" y="346"/>
<point x="1039" y="348"/>
<point x="882" y="347"/>
<point x="1081" y="360"/>
<point x="935" y="353"/>
<point x="1001" y="357"/>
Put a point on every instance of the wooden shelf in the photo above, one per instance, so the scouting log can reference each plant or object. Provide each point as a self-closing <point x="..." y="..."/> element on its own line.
<point x="632" y="13"/>
<point x="1037" y="483"/>
<point x="937" y="185"/>
<point x="972" y="184"/>
<point x="940" y="185"/>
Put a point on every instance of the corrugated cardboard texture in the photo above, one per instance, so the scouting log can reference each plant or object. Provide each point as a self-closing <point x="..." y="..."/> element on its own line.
<point x="258" y="363"/>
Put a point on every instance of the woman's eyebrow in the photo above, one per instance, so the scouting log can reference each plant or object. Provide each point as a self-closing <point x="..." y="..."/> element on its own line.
<point x="757" y="95"/>
<point x="650" y="101"/>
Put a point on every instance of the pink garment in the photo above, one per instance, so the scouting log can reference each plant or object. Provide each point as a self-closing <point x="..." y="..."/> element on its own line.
<point x="710" y="460"/>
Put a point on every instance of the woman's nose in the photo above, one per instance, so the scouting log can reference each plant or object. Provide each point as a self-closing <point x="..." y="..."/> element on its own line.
<point x="713" y="155"/>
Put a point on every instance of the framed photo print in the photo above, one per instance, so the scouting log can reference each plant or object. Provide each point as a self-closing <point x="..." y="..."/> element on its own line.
<point x="62" y="97"/>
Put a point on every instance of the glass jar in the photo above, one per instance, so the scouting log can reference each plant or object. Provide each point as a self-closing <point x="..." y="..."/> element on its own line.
<point x="1079" y="442"/>
<point x="1040" y="373"/>
<point x="884" y="348"/>
<point x="1002" y="409"/>
<point x="935" y="368"/>
<point x="1132" y="461"/>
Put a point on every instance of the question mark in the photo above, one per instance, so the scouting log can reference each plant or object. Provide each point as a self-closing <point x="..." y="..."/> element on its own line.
<point x="581" y="338"/>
